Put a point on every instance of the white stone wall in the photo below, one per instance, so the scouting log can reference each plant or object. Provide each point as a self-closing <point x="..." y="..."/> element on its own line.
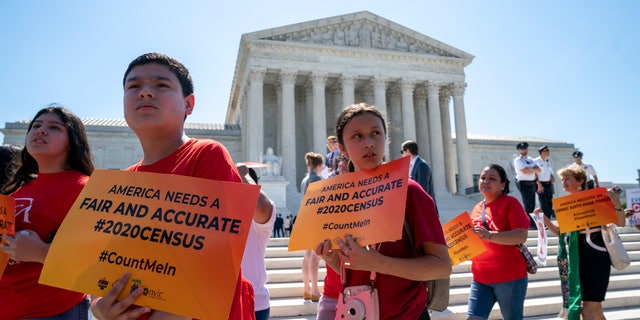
<point x="117" y="147"/>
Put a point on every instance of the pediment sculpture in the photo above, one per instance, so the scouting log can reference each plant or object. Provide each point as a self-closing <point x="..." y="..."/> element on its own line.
<point x="362" y="33"/>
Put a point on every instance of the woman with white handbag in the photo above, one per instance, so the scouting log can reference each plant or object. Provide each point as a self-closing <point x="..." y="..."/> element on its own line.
<point x="586" y="253"/>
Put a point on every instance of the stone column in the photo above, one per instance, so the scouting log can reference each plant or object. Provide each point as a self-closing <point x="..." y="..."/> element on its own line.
<point x="255" y="115"/>
<point x="465" y="176"/>
<point x="379" y="94"/>
<point x="394" y="121"/>
<point x="450" y="169"/>
<point x="318" y="80"/>
<point x="408" y="117"/>
<point x="435" y="131"/>
<point x="308" y="115"/>
<point x="368" y="95"/>
<point x="380" y="100"/>
<point x="288" y="82"/>
<point x="422" y="128"/>
<point x="277" y="93"/>
<point x="337" y="107"/>
<point x="348" y="89"/>
<point x="242" y="120"/>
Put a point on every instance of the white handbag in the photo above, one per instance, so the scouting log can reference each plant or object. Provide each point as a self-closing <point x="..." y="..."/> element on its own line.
<point x="617" y="252"/>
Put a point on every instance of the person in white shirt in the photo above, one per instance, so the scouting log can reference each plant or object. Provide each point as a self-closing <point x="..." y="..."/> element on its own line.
<point x="253" y="264"/>
<point x="526" y="170"/>
<point x="545" y="181"/>
<point x="592" y="177"/>
<point x="286" y="225"/>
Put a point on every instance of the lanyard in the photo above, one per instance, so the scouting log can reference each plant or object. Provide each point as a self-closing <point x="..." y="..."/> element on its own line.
<point x="344" y="270"/>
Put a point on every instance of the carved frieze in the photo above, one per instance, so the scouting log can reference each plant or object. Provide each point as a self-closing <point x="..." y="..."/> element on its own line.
<point x="272" y="52"/>
<point x="363" y="34"/>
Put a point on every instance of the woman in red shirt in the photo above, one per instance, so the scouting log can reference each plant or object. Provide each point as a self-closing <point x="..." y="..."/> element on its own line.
<point x="499" y="273"/>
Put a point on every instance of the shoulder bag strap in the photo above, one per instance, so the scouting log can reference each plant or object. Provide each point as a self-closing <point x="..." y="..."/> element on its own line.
<point x="407" y="229"/>
<point x="484" y="219"/>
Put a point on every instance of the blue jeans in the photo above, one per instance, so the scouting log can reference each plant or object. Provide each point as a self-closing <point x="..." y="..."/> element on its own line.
<point x="78" y="312"/>
<point x="509" y="295"/>
<point x="263" y="314"/>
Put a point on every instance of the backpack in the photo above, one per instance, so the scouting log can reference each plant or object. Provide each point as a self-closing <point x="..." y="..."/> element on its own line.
<point x="438" y="289"/>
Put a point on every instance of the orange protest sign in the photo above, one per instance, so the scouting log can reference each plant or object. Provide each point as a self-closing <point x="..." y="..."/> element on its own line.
<point x="7" y="225"/>
<point x="369" y="205"/>
<point x="586" y="209"/>
<point x="182" y="238"/>
<point x="463" y="243"/>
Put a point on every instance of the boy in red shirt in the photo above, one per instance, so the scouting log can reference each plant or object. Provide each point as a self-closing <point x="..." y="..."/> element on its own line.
<point x="158" y="96"/>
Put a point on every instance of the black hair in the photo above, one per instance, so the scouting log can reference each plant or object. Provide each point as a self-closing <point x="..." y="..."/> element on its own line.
<point x="78" y="156"/>
<point x="503" y="176"/>
<point x="253" y="175"/>
<point x="177" y="68"/>
<point x="8" y="163"/>
<point x="354" y="110"/>
<point x="410" y="145"/>
<point x="348" y="113"/>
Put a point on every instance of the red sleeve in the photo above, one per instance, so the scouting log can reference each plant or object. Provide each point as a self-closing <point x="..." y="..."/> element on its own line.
<point x="332" y="285"/>
<point x="145" y="316"/>
<point x="242" y="307"/>
<point x="215" y="163"/>
<point x="420" y="213"/>
<point x="518" y="218"/>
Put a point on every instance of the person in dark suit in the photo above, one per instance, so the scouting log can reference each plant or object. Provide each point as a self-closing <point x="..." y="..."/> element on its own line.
<point x="419" y="170"/>
<point x="278" y="227"/>
<point x="331" y="159"/>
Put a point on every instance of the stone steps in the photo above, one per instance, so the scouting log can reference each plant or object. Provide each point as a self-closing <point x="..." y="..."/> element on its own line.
<point x="543" y="294"/>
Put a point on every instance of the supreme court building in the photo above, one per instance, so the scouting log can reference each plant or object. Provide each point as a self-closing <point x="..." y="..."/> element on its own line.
<point x="291" y="82"/>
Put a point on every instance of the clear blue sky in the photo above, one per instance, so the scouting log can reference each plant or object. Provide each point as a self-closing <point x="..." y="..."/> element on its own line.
<point x="561" y="70"/>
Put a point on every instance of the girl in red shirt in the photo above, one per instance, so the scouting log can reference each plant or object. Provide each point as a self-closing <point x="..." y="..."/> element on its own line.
<point x="52" y="169"/>
<point x="400" y="274"/>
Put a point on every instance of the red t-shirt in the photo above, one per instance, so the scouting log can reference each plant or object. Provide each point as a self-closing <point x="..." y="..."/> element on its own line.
<point x="41" y="205"/>
<point x="401" y="298"/>
<point x="209" y="159"/>
<point x="332" y="286"/>
<point x="500" y="263"/>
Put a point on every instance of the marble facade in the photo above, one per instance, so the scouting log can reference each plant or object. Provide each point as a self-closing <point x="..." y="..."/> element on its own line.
<point x="292" y="81"/>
